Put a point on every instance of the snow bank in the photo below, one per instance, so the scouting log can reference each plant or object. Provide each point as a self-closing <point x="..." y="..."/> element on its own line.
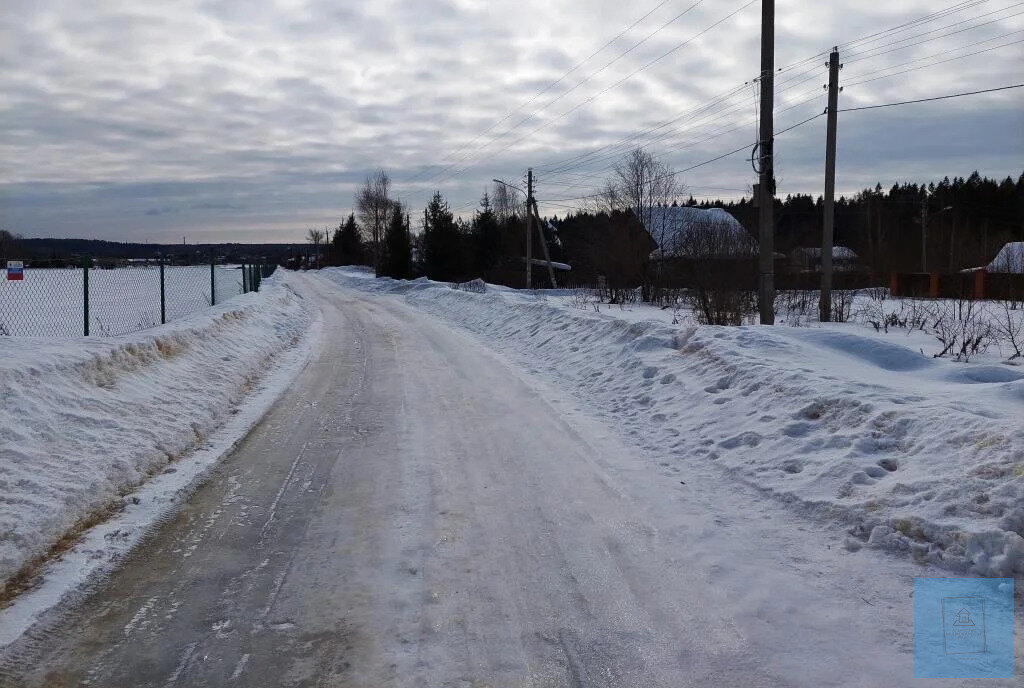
<point x="84" y="421"/>
<point x="906" y="452"/>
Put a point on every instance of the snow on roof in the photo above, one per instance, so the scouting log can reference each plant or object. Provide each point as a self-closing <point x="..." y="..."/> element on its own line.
<point x="696" y="232"/>
<point x="840" y="252"/>
<point x="1009" y="259"/>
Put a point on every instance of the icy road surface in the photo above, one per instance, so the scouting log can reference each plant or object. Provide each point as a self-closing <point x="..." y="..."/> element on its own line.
<point x="416" y="512"/>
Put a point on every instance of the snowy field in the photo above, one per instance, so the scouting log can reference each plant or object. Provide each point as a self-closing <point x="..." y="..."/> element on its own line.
<point x="859" y="429"/>
<point x="84" y="421"/>
<point x="48" y="301"/>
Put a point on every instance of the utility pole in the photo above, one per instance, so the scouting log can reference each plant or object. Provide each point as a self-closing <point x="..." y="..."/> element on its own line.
<point x="766" y="186"/>
<point x="825" y="304"/>
<point x="529" y="228"/>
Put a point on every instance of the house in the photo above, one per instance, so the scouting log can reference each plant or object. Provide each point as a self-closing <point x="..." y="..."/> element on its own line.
<point x="689" y="232"/>
<point x="1009" y="259"/>
<point x="808" y="259"/>
<point x="700" y="249"/>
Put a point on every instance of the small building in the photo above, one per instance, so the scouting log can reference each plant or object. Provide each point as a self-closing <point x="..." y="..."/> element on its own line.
<point x="689" y="232"/>
<point x="1010" y="259"/>
<point x="808" y="259"/>
<point x="697" y="248"/>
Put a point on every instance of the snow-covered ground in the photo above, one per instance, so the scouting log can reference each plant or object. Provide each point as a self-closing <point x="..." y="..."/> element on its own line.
<point x="856" y="428"/>
<point x="85" y="421"/>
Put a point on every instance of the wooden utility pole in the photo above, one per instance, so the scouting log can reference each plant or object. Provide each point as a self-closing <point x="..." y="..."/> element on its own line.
<point x="766" y="186"/>
<point x="529" y="228"/>
<point x="825" y="304"/>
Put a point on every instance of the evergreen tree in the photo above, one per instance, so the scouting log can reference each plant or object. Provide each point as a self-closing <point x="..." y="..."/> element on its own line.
<point x="442" y="242"/>
<point x="397" y="259"/>
<point x="486" y="238"/>
<point x="347" y="244"/>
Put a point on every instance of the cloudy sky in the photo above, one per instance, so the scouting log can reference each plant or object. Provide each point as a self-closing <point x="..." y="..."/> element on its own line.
<point x="251" y="120"/>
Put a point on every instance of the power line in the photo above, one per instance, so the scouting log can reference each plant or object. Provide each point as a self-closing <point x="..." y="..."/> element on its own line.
<point x="565" y="164"/>
<point x="925" y="100"/>
<point x="952" y="9"/>
<point x="558" y="80"/>
<point x="719" y="108"/>
<point x="701" y="164"/>
<point x="877" y="50"/>
<point x="813" y="75"/>
<point x="617" y="83"/>
<point x="717" y="116"/>
<point x="810" y="75"/>
<point x="931" y="64"/>
<point x="878" y="35"/>
<point x="586" y="79"/>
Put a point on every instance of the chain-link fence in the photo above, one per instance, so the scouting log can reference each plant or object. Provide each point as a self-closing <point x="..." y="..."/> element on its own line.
<point x="69" y="298"/>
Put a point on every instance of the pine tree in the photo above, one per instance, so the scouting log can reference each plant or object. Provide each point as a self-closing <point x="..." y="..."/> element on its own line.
<point x="347" y="244"/>
<point x="486" y="238"/>
<point x="442" y="242"/>
<point x="397" y="259"/>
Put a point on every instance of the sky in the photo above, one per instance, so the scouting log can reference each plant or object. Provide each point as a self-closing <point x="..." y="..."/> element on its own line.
<point x="254" y="120"/>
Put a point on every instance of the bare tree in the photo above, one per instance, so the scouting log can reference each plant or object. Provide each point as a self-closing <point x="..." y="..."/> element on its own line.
<point x="316" y="237"/>
<point x="505" y="203"/>
<point x="374" y="207"/>
<point x="642" y="183"/>
<point x="606" y="200"/>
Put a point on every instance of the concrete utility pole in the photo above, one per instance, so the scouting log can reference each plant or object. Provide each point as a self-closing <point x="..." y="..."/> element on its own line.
<point x="766" y="186"/>
<point x="529" y="228"/>
<point x="825" y="304"/>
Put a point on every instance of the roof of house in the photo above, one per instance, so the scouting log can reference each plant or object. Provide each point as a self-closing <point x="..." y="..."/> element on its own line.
<point x="1009" y="259"/>
<point x="685" y="231"/>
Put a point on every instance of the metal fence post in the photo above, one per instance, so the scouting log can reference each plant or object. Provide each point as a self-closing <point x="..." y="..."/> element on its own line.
<point x="163" y="294"/>
<point x="245" y="280"/>
<point x="85" y="294"/>
<point x="213" y="282"/>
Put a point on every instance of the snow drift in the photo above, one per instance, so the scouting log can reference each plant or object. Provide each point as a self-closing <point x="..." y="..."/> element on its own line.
<point x="84" y="421"/>
<point x="904" y="451"/>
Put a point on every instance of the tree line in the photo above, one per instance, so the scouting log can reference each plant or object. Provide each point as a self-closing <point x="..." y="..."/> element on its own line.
<point x="380" y="233"/>
<point x="968" y="219"/>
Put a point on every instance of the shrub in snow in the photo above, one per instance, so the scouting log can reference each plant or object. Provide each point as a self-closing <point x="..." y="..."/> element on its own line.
<point x="842" y="304"/>
<point x="962" y="327"/>
<point x="477" y="286"/>
<point x="1008" y="326"/>
<point x="722" y="306"/>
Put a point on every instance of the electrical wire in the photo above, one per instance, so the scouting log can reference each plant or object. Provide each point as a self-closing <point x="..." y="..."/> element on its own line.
<point x="926" y="100"/>
<point x="585" y="80"/>
<point x="558" y="80"/>
<point x="615" y="84"/>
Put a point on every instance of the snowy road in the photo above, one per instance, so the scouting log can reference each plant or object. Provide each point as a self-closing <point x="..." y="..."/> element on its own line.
<point x="414" y="511"/>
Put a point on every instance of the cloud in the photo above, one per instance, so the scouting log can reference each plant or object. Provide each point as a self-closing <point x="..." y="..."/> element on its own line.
<point x="231" y="119"/>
